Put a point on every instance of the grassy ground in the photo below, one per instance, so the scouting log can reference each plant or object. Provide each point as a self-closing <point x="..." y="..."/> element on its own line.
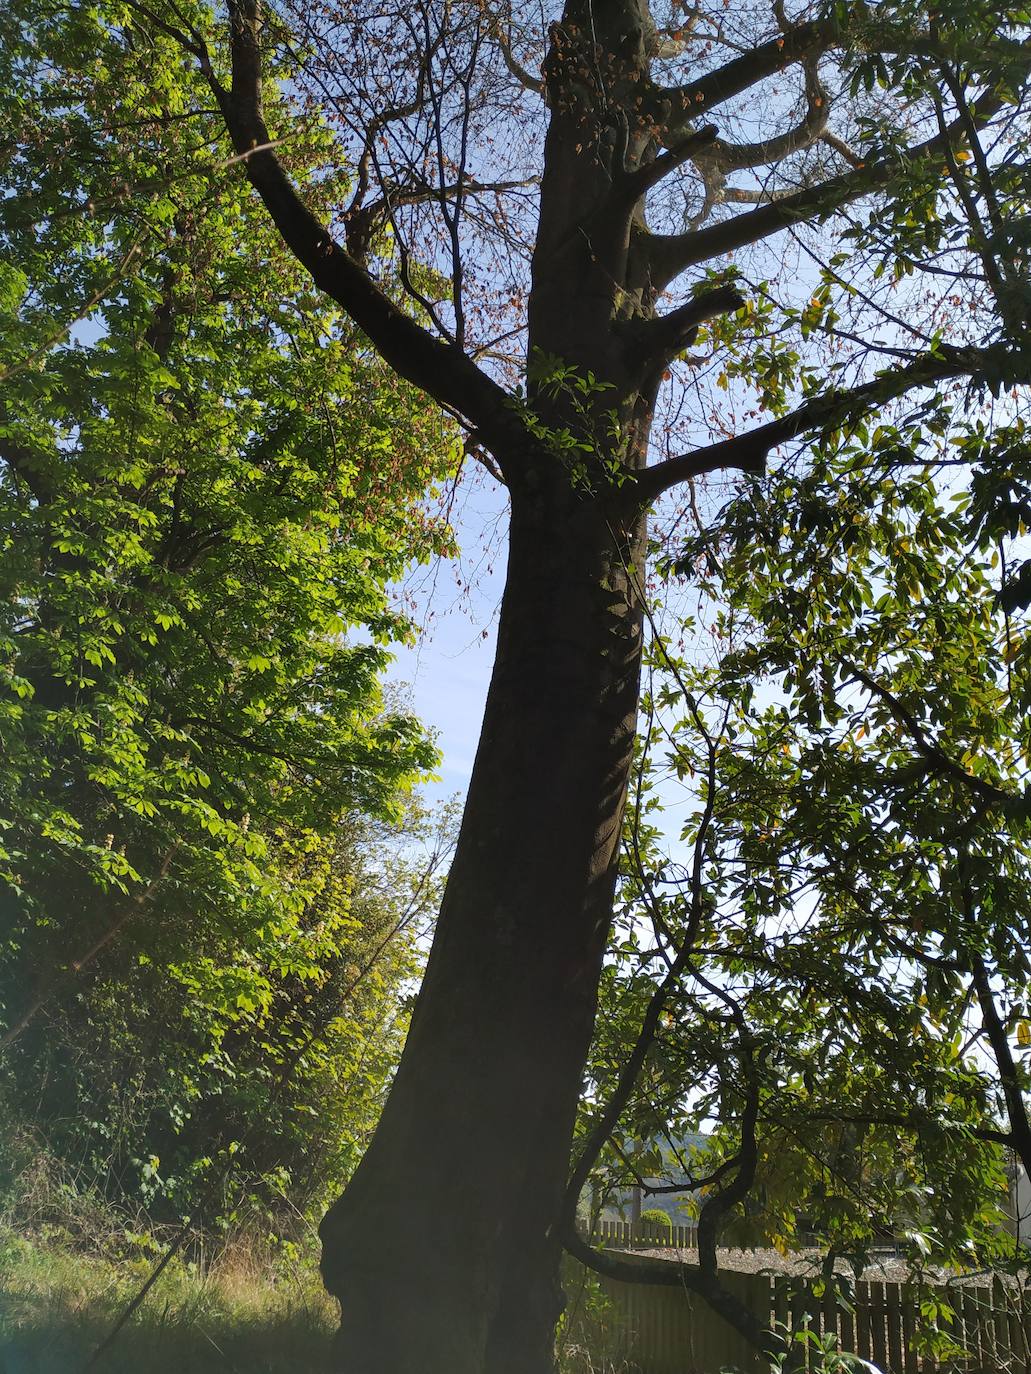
<point x="239" y="1315"/>
<point x="242" y="1314"/>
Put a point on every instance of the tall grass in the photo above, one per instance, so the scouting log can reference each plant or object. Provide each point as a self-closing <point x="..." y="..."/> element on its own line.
<point x="244" y="1312"/>
<point x="70" y="1265"/>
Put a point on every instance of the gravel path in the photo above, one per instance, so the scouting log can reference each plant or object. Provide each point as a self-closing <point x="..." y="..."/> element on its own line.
<point x="806" y="1264"/>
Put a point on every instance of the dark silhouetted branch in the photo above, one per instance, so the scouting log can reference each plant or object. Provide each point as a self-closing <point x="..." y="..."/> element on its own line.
<point x="674" y="104"/>
<point x="443" y="371"/>
<point x="672" y="254"/>
<point x="748" y="452"/>
<point x="663" y="337"/>
<point x="690" y="1278"/>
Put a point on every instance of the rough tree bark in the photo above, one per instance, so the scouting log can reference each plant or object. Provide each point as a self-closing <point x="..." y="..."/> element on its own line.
<point x="444" y="1249"/>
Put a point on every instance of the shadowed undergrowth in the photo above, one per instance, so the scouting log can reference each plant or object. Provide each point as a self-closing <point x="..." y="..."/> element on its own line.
<point x="70" y="1264"/>
<point x="241" y="1312"/>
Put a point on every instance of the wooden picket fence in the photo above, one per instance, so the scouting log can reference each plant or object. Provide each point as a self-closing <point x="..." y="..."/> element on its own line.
<point x="650" y="1235"/>
<point x="625" y="1235"/>
<point x="980" y="1328"/>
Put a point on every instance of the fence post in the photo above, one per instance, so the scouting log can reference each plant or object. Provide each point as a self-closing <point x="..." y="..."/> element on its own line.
<point x="1000" y="1324"/>
<point x="1015" y="1303"/>
<point x="863" y="1346"/>
<point x="846" y="1328"/>
<point x="879" y="1322"/>
<point x="893" y="1318"/>
<point x="971" y="1323"/>
<point x="912" y="1360"/>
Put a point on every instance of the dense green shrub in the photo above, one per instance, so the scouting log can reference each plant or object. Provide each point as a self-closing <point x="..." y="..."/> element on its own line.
<point x="206" y="490"/>
<point x="657" y="1219"/>
<point x="153" y="1098"/>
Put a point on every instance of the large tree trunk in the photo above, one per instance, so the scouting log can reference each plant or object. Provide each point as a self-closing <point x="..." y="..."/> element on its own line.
<point x="441" y="1250"/>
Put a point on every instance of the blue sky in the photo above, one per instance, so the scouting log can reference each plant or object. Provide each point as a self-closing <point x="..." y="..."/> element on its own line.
<point x="448" y="669"/>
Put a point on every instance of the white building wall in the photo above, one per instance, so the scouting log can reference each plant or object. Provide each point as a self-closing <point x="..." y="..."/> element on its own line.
<point x="1020" y="1205"/>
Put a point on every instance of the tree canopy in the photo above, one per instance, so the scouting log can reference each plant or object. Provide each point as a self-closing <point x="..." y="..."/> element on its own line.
<point x="207" y="487"/>
<point x="848" y="708"/>
<point x="624" y="247"/>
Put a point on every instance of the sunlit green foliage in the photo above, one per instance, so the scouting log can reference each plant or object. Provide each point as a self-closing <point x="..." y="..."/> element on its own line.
<point x="206" y="488"/>
<point x="847" y="720"/>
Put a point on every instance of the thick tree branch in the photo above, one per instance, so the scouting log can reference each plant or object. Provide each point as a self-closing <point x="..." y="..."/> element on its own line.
<point x="658" y="340"/>
<point x="935" y="756"/>
<point x="525" y="78"/>
<point x="733" y="157"/>
<point x="689" y="1277"/>
<point x="629" y="187"/>
<point x="910" y="1123"/>
<point x="1009" y="1075"/>
<point x="444" y="372"/>
<point x="721" y="1200"/>
<point x="28" y="466"/>
<point x="692" y="1183"/>
<point x="672" y="254"/>
<point x="841" y="148"/>
<point x="748" y="452"/>
<point x="742" y="195"/>
<point x="670" y="107"/>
